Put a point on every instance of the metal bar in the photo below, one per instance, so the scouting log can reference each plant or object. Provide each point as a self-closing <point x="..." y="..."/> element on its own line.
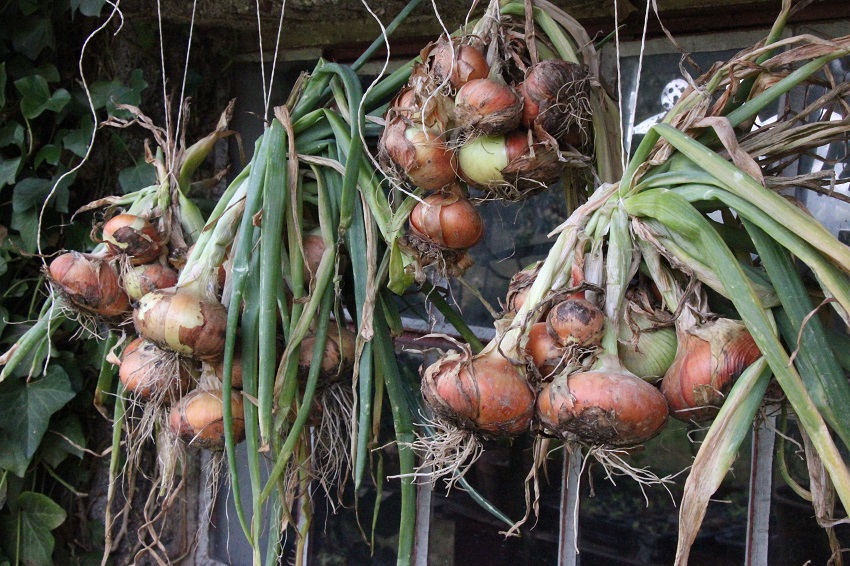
<point x="424" y="492"/>
<point x="568" y="534"/>
<point x="761" y="489"/>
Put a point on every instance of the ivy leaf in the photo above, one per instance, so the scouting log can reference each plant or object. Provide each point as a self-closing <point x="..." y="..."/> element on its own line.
<point x="36" y="515"/>
<point x="49" y="72"/>
<point x="4" y="316"/>
<point x="12" y="134"/>
<point x="25" y="411"/>
<point x="31" y="192"/>
<point x="9" y="171"/>
<point x="89" y="8"/>
<point x="32" y="35"/>
<point x="26" y="223"/>
<point x="48" y="153"/>
<point x="137" y="177"/>
<point x="105" y="94"/>
<point x="77" y="141"/>
<point x="65" y="437"/>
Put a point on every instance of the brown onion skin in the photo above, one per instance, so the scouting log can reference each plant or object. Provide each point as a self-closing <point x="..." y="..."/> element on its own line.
<point x="576" y="321"/>
<point x="181" y="321"/>
<point x="487" y="106"/>
<point x="485" y="394"/>
<point x="550" y="92"/>
<point x="420" y="153"/>
<point x="339" y="354"/>
<point x="447" y="220"/>
<point x="143" y="279"/>
<point x="469" y="63"/>
<point x="546" y="354"/>
<point x="704" y="370"/>
<point x="90" y="284"/>
<point x="198" y="420"/>
<point x="134" y="237"/>
<point x="140" y="372"/>
<point x="236" y="369"/>
<point x="602" y="408"/>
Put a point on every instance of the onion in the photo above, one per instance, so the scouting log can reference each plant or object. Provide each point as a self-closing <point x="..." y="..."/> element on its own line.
<point x="545" y="352"/>
<point x="448" y="220"/>
<point x="314" y="249"/>
<point x="555" y="98"/>
<point x="459" y="63"/>
<point x="197" y="418"/>
<point x="134" y="237"/>
<point x="179" y="320"/>
<point x="236" y="368"/>
<point x="89" y="283"/>
<point x="519" y="287"/>
<point x="482" y="160"/>
<point x="421" y="154"/>
<point x="645" y="349"/>
<point x="487" y="106"/>
<point x="150" y="372"/>
<point x="484" y="393"/>
<point x="709" y="359"/>
<point x="602" y="407"/>
<point x="142" y="279"/>
<point x="576" y="321"/>
<point x="338" y="358"/>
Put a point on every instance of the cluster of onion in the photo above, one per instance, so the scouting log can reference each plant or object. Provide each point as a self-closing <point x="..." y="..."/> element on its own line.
<point x="507" y="130"/>
<point x="570" y="387"/>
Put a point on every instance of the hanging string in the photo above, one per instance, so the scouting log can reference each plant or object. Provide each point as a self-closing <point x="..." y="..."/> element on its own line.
<point x="619" y="81"/>
<point x="262" y="63"/>
<point x="162" y="66"/>
<point x="183" y="85"/>
<point x="274" y="59"/>
<point x="633" y="109"/>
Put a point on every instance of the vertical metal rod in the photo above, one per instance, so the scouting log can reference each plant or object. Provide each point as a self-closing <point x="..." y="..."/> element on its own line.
<point x="423" y="522"/>
<point x="568" y="535"/>
<point x="761" y="490"/>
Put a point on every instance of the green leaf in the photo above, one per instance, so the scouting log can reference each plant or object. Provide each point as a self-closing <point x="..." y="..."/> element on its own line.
<point x="37" y="97"/>
<point x="9" y="171"/>
<point x="48" y="153"/>
<point x="25" y="411"/>
<point x="32" y="35"/>
<point x="12" y="134"/>
<point x="32" y="191"/>
<point x="26" y="223"/>
<point x="105" y="94"/>
<point x="77" y="141"/>
<point x="4" y="315"/>
<point x="35" y="516"/>
<point x="49" y="72"/>
<point x="64" y="437"/>
<point x="91" y="8"/>
<point x="137" y="177"/>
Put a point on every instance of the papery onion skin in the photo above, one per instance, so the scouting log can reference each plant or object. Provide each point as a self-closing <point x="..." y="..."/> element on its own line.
<point x="181" y="321"/>
<point x="338" y="359"/>
<point x="448" y="221"/>
<point x="145" y="371"/>
<point x="487" y="107"/>
<point x="235" y="371"/>
<point x="142" y="279"/>
<point x="709" y="360"/>
<point x="421" y="154"/>
<point x="459" y="63"/>
<point x="555" y="97"/>
<point x="576" y="321"/>
<point x="545" y="352"/>
<point x="602" y="408"/>
<point x="485" y="394"/>
<point x="90" y="284"/>
<point x="133" y="236"/>
<point x="198" y="420"/>
<point x="652" y="354"/>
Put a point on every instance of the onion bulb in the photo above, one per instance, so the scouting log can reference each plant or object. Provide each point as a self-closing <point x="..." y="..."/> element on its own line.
<point x="198" y="418"/>
<point x="576" y="321"/>
<point x="555" y="98"/>
<point x="142" y="279"/>
<point x="602" y="407"/>
<point x="709" y="359"/>
<point x="420" y="153"/>
<point x="447" y="220"/>
<point x="149" y="372"/>
<point x="89" y="283"/>
<point x="519" y="287"/>
<point x="487" y="107"/>
<point x="458" y="63"/>
<point x="482" y="160"/>
<point x="484" y="393"/>
<point x="545" y="352"/>
<point x="338" y="358"/>
<point x="134" y="237"/>
<point x="181" y="321"/>
<point x="646" y="350"/>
